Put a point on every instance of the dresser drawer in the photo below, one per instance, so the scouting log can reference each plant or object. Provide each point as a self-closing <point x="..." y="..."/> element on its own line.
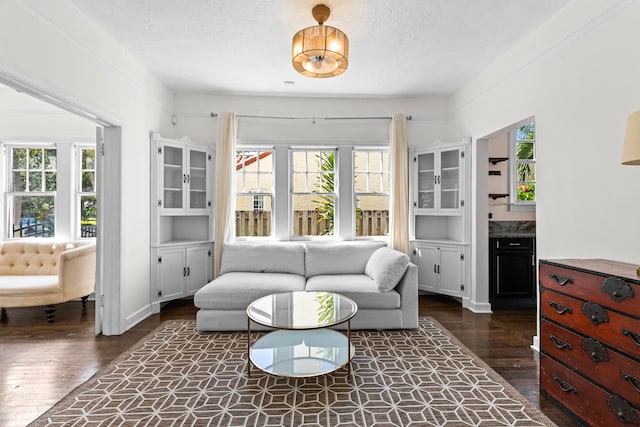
<point x="609" y="327"/>
<point x="608" y="291"/>
<point x="586" y="400"/>
<point x="603" y="365"/>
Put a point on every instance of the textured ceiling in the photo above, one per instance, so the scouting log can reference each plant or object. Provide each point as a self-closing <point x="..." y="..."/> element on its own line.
<point x="397" y="47"/>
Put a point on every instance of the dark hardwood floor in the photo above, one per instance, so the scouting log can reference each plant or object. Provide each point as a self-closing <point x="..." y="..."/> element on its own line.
<point x="40" y="363"/>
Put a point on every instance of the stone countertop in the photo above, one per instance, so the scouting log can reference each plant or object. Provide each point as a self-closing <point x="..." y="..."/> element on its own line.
<point x="516" y="234"/>
<point x="506" y="229"/>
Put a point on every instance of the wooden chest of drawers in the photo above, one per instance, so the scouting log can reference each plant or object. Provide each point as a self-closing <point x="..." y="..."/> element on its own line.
<point x="590" y="339"/>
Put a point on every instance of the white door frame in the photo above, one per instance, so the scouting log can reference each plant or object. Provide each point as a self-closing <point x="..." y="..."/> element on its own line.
<point x="109" y="315"/>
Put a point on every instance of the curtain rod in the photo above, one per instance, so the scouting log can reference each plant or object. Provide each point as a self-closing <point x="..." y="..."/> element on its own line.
<point x="311" y="118"/>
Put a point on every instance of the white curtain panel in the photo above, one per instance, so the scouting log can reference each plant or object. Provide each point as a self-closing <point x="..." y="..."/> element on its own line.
<point x="399" y="174"/>
<point x="223" y="207"/>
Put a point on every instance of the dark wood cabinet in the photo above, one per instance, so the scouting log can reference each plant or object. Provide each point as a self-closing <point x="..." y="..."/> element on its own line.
<point x="590" y="339"/>
<point x="512" y="272"/>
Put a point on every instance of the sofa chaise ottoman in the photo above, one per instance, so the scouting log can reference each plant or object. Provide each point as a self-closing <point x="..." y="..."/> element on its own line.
<point x="381" y="281"/>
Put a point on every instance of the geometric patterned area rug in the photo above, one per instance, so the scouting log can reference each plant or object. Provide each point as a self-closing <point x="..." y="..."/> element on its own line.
<point x="181" y="377"/>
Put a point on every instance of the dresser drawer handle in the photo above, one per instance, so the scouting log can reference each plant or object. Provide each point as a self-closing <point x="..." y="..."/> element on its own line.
<point x="564" y="386"/>
<point x="561" y="280"/>
<point x="559" y="308"/>
<point x="634" y="337"/>
<point x="560" y="343"/>
<point x="635" y="382"/>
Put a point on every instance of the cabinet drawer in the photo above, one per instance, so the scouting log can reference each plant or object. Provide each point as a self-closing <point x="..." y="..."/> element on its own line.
<point x="607" y="367"/>
<point x="512" y="243"/>
<point x="614" y="329"/>
<point x="608" y="291"/>
<point x="584" y="399"/>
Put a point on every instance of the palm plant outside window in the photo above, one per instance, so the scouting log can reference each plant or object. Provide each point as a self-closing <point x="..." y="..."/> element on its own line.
<point x="31" y="198"/>
<point x="313" y="183"/>
<point x="525" y="165"/>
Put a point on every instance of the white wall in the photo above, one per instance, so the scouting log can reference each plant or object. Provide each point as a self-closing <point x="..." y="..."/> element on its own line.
<point x="578" y="75"/>
<point x="53" y="47"/>
<point x="24" y="118"/>
<point x="429" y="117"/>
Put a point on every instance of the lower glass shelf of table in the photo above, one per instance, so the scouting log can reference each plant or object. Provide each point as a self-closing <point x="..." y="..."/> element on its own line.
<point x="306" y="353"/>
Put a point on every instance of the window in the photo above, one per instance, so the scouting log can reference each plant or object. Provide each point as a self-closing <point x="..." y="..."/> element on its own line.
<point x="254" y="193"/>
<point x="32" y="191"/>
<point x="86" y="192"/>
<point x="371" y="192"/>
<point x="300" y="192"/>
<point x="523" y="168"/>
<point x="313" y="192"/>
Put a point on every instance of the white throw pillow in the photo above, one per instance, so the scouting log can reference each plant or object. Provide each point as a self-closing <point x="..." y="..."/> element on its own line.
<point x="386" y="267"/>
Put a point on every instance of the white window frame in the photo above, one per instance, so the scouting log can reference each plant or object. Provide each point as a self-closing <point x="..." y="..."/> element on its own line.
<point x="79" y="193"/>
<point x="260" y="191"/>
<point x="9" y="194"/>
<point x="516" y="205"/>
<point x="282" y="226"/>
<point x="336" y="180"/>
<point x="368" y="172"/>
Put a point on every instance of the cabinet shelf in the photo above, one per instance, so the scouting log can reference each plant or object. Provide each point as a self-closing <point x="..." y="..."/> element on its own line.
<point x="496" y="160"/>
<point x="495" y="196"/>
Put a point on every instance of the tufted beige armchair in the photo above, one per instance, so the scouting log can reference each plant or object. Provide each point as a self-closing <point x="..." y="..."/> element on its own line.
<point x="37" y="272"/>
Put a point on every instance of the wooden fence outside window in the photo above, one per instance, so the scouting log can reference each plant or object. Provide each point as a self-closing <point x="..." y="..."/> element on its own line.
<point x="307" y="223"/>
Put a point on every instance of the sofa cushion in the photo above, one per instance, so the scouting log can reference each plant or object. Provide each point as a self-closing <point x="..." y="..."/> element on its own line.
<point x="359" y="287"/>
<point x="236" y="290"/>
<point x="263" y="258"/>
<point x="386" y="267"/>
<point x="338" y="258"/>
<point x="28" y="286"/>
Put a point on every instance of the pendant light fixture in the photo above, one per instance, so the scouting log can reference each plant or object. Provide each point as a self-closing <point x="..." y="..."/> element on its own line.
<point x="320" y="51"/>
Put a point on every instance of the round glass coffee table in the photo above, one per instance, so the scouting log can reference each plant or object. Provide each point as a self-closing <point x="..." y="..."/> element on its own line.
<point x="302" y="344"/>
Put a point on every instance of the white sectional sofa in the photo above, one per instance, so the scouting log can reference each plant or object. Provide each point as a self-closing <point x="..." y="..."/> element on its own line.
<point x="380" y="280"/>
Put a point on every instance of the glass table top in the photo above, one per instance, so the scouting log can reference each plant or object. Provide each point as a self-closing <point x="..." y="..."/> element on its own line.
<point x="302" y="310"/>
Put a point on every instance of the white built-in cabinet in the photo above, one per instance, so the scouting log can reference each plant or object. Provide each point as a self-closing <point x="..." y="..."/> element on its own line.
<point x="440" y="221"/>
<point x="181" y="218"/>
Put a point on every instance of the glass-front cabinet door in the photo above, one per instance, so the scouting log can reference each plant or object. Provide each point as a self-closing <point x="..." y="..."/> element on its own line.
<point x="197" y="179"/>
<point x="426" y="181"/>
<point x="438" y="180"/>
<point x="449" y="179"/>
<point x="173" y="177"/>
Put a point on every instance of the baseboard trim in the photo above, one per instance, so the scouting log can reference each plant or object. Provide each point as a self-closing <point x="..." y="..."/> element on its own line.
<point x="475" y="307"/>
<point x="138" y="317"/>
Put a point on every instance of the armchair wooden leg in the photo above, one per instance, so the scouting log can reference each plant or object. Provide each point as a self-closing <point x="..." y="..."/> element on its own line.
<point x="84" y="301"/>
<point x="51" y="313"/>
<point x="3" y="315"/>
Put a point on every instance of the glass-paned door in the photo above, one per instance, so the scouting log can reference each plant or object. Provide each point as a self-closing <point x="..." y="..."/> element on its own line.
<point x="174" y="177"/>
<point x="197" y="179"/>
<point x="449" y="179"/>
<point x="426" y="181"/>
